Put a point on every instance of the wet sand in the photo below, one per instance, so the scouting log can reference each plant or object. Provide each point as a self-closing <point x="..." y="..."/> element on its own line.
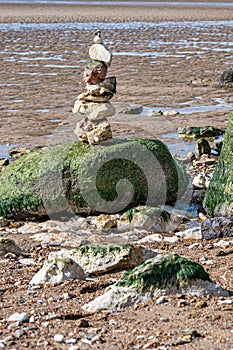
<point x="164" y="58"/>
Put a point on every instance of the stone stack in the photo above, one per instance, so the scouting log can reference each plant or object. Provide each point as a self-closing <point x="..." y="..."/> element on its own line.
<point x="94" y="103"/>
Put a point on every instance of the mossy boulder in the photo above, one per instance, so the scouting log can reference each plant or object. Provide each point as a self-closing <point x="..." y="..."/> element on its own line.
<point x="76" y="178"/>
<point x="219" y="194"/>
<point x="102" y="258"/>
<point x="162" y="275"/>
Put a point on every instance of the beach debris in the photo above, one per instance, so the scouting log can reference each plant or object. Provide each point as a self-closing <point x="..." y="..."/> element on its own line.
<point x="164" y="274"/>
<point x="94" y="103"/>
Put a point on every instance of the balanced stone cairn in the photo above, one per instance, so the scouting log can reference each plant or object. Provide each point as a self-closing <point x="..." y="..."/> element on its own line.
<point x="94" y="103"/>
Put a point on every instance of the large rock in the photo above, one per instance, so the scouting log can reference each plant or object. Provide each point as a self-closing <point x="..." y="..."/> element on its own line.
<point x="99" y="258"/>
<point x="225" y="80"/>
<point x="216" y="228"/>
<point x="163" y="275"/>
<point x="76" y="178"/>
<point x="220" y="191"/>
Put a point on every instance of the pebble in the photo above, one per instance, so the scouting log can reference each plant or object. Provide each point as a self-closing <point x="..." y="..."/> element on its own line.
<point x="203" y="260"/>
<point x="96" y="338"/>
<point x="182" y="303"/>
<point x="14" y="325"/>
<point x="82" y="323"/>
<point x="66" y="296"/>
<point x="200" y="304"/>
<point x="59" y="338"/>
<point x="23" y="317"/>
<point x="71" y="341"/>
<point x="194" y="245"/>
<point x="161" y="300"/>
<point x="164" y="319"/>
<point x="223" y="243"/>
<point x="19" y="333"/>
<point x="226" y="301"/>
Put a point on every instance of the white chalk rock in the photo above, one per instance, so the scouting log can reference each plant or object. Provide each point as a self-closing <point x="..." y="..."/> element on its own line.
<point x="58" y="269"/>
<point x="99" y="52"/>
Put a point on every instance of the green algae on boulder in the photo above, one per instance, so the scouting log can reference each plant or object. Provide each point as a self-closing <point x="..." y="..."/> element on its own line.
<point x="219" y="194"/>
<point x="162" y="275"/>
<point x="165" y="271"/>
<point x="199" y="131"/>
<point x="77" y="178"/>
<point x="101" y="258"/>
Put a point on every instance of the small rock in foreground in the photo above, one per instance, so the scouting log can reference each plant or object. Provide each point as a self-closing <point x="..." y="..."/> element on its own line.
<point x="9" y="246"/>
<point x="58" y="269"/>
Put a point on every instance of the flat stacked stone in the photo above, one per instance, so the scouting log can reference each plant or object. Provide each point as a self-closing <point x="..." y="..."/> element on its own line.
<point x="94" y="103"/>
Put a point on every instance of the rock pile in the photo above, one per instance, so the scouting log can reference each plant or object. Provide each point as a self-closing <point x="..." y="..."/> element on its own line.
<point x="94" y="103"/>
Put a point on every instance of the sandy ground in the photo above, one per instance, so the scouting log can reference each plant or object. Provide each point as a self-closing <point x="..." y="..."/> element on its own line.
<point x="154" y="62"/>
<point x="157" y="65"/>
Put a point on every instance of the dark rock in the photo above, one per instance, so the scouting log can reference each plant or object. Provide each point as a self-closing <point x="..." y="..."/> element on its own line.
<point x="225" y="80"/>
<point x="217" y="228"/>
<point x="217" y="143"/>
<point x="202" y="147"/>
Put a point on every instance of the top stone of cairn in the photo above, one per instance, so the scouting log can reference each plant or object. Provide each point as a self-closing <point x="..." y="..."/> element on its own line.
<point x="98" y="51"/>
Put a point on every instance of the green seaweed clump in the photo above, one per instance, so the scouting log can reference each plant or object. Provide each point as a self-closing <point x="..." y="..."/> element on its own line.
<point x="103" y="250"/>
<point x="163" y="271"/>
<point x="220" y="190"/>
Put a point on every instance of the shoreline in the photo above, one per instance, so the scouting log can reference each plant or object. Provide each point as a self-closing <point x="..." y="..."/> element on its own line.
<point x="47" y="13"/>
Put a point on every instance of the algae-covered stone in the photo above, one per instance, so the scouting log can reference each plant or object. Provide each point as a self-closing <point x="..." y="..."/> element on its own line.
<point x="220" y="190"/>
<point x="162" y="275"/>
<point x="99" y="258"/>
<point x="146" y="218"/>
<point x="75" y="178"/>
<point x="199" y="131"/>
